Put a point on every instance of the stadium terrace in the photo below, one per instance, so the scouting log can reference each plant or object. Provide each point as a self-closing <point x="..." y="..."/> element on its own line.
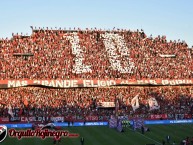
<point x="93" y="54"/>
<point x="92" y="76"/>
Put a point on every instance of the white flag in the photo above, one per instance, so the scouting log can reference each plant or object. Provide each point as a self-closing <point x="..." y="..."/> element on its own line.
<point x="135" y="102"/>
<point x="10" y="111"/>
<point x="153" y="104"/>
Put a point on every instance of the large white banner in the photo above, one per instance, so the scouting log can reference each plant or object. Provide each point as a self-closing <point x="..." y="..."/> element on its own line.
<point x="135" y="102"/>
<point x="153" y="104"/>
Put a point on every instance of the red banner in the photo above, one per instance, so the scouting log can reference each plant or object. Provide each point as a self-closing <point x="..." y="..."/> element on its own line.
<point x="160" y="116"/>
<point x="188" y="116"/>
<point x="92" y="83"/>
<point x="4" y="119"/>
<point x="92" y="118"/>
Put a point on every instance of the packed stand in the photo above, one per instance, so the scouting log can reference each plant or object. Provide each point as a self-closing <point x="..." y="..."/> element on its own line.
<point x="176" y="102"/>
<point x="93" y="54"/>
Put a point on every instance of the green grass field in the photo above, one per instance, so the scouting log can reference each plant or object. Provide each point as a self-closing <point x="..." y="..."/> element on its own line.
<point x="104" y="136"/>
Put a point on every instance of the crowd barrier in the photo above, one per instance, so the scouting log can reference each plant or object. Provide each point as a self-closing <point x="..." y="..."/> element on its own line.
<point x="22" y="125"/>
<point x="65" y="124"/>
<point x="151" y="122"/>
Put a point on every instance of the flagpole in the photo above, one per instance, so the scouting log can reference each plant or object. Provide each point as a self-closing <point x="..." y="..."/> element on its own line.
<point x="116" y="106"/>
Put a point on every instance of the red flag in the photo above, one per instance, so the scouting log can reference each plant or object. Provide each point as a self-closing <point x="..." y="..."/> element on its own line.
<point x="20" y="111"/>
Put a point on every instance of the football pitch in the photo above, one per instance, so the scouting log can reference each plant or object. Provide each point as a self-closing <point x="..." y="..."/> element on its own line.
<point x="102" y="135"/>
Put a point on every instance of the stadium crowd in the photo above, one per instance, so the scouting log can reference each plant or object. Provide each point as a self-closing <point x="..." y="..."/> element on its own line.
<point x="94" y="54"/>
<point x="34" y="101"/>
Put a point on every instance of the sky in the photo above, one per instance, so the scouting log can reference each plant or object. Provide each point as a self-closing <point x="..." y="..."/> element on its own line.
<point x="172" y="18"/>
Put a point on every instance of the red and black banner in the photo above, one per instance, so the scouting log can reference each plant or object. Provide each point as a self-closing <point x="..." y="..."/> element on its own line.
<point x="91" y="83"/>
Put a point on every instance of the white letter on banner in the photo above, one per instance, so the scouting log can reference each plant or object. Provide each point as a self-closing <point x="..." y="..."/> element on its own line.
<point x="74" y="83"/>
<point x="11" y="83"/>
<point x="113" y="42"/>
<point x="79" y="67"/>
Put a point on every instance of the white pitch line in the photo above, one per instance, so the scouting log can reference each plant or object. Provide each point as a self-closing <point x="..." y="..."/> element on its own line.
<point x="147" y="137"/>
